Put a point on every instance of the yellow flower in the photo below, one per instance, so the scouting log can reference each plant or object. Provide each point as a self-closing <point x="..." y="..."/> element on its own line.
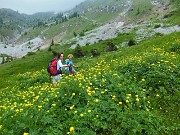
<point x="127" y="101"/>
<point x="81" y="115"/>
<point x="72" y="107"/>
<point x="39" y="107"/>
<point x="120" y="103"/>
<point x="96" y="100"/>
<point x="71" y="129"/>
<point x="75" y="111"/>
<point x="73" y="94"/>
<point x="137" y="99"/>
<point x="128" y="95"/>
<point x="26" y="133"/>
<point x="89" y="111"/>
<point x="102" y="92"/>
<point x="53" y="105"/>
<point x="0" y="126"/>
<point x="157" y="95"/>
<point x="96" y="88"/>
<point x="80" y="84"/>
<point x="143" y="80"/>
<point x="93" y="92"/>
<point x="17" y="110"/>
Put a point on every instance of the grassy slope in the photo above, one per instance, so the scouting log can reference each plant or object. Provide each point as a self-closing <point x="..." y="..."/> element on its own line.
<point x="167" y="107"/>
<point x="128" y="62"/>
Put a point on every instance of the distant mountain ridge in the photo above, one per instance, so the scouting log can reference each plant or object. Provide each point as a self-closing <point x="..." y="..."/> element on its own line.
<point x="13" y="23"/>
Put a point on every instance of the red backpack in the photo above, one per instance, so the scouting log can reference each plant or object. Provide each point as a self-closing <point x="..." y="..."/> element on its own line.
<point x="52" y="68"/>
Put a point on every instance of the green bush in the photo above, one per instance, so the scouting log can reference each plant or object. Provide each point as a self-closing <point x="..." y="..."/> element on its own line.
<point x="78" y="52"/>
<point x="111" y="47"/>
<point x="131" y="42"/>
<point x="95" y="52"/>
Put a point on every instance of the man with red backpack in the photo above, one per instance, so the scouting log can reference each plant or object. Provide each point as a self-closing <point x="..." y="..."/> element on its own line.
<point x="55" y="68"/>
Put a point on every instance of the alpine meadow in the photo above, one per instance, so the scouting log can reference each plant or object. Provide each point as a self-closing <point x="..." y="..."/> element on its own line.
<point x="128" y="76"/>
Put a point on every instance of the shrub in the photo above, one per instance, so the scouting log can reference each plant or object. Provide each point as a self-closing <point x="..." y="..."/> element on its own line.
<point x="111" y="47"/>
<point x="131" y="42"/>
<point x="81" y="34"/>
<point x="55" y="54"/>
<point x="157" y="26"/>
<point x="31" y="53"/>
<point x="78" y="51"/>
<point x="95" y="52"/>
<point x="49" y="49"/>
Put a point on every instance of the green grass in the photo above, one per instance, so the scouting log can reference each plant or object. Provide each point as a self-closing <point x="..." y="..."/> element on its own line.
<point x="134" y="90"/>
<point x="140" y="9"/>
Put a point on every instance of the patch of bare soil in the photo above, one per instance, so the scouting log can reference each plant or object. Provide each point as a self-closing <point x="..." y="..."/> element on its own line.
<point x="56" y="39"/>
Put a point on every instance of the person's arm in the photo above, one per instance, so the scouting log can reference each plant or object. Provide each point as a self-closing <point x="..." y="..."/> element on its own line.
<point x="60" y="65"/>
<point x="75" y="66"/>
<point x="65" y="65"/>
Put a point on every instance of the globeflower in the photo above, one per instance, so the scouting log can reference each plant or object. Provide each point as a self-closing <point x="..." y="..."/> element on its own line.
<point x="137" y="99"/>
<point x="143" y="80"/>
<point x="128" y="95"/>
<point x="127" y="101"/>
<point x="102" y="92"/>
<point x="71" y="129"/>
<point x="53" y="105"/>
<point x="89" y="111"/>
<point x="96" y="100"/>
<point x="80" y="84"/>
<point x="72" y="107"/>
<point x="120" y="103"/>
<point x="26" y="133"/>
<point x="39" y="107"/>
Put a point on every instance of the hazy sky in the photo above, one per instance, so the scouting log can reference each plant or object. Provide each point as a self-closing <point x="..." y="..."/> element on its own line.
<point x="33" y="6"/>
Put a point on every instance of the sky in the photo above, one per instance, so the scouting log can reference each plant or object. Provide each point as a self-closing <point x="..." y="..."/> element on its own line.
<point x="33" y="6"/>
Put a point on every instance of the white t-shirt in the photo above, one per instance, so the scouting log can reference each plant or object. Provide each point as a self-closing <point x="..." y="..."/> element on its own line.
<point x="60" y="65"/>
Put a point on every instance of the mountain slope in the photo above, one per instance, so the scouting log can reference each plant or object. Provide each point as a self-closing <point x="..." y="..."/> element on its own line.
<point x="13" y="23"/>
<point x="93" y="21"/>
<point x="134" y="90"/>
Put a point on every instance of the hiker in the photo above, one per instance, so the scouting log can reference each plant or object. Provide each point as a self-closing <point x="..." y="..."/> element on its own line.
<point x="57" y="77"/>
<point x="71" y="65"/>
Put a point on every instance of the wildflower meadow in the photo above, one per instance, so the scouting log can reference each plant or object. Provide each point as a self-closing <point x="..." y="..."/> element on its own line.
<point x="110" y="95"/>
